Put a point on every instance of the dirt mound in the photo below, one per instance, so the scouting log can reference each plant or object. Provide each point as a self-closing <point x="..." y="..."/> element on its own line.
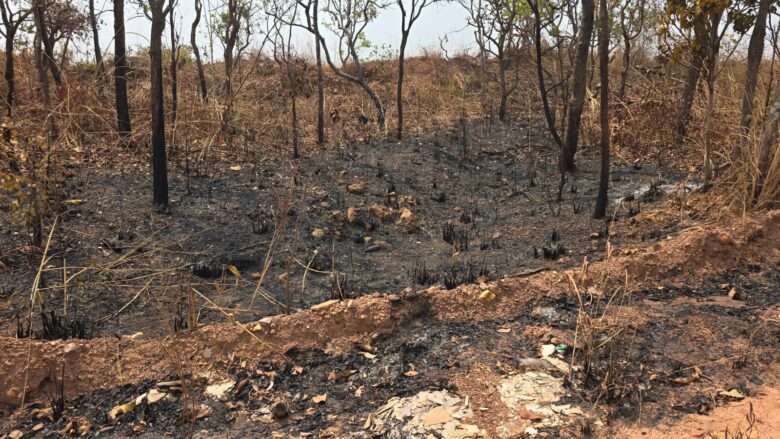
<point x="338" y="326"/>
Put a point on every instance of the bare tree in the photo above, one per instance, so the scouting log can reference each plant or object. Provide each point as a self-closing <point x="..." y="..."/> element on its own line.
<point x="196" y="51"/>
<point x="348" y="19"/>
<point x="93" y="23"/>
<point x="310" y="11"/>
<point x="603" y="195"/>
<point x="235" y="20"/>
<point x="632" y="21"/>
<point x="539" y="57"/>
<point x="13" y="17"/>
<point x="495" y="24"/>
<point x="293" y="67"/>
<point x="410" y="12"/>
<point x="578" y="88"/>
<point x="121" y="70"/>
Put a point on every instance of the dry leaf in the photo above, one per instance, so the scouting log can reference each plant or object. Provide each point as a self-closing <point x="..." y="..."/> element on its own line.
<point x="297" y="370"/>
<point x="504" y="330"/>
<point x="410" y="373"/>
<point x="733" y="393"/>
<point x="120" y="410"/>
<point x="319" y="399"/>
<point x="235" y="168"/>
<point x="233" y="269"/>
<point x="368" y="355"/>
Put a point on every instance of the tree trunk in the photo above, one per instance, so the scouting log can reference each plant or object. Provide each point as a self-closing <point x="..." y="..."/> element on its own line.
<point x="399" y="101"/>
<point x="294" y="122"/>
<point x="121" y="71"/>
<point x="578" y="93"/>
<point x="10" y="75"/>
<point x="626" y="65"/>
<point x="39" y="12"/>
<point x="174" y="71"/>
<point x="320" y="78"/>
<point x="603" y="198"/>
<point x="159" y="161"/>
<point x="501" y="58"/>
<point x="755" y="54"/>
<point x="691" y="79"/>
<point x="95" y="37"/>
<point x="548" y="114"/>
<point x="196" y="51"/>
<point x="768" y="148"/>
<point x="41" y="67"/>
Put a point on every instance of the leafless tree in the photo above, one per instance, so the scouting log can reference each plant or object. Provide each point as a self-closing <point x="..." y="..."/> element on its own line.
<point x="632" y="22"/>
<point x="496" y="24"/>
<point x="294" y="69"/>
<point x="93" y="23"/>
<point x="196" y="51"/>
<point x="13" y="16"/>
<point x="348" y="19"/>
<point x="410" y="12"/>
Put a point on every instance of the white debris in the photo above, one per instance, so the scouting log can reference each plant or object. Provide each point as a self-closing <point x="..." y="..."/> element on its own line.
<point x="425" y="415"/>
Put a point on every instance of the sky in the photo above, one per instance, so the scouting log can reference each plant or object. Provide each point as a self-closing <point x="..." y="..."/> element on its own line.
<point x="443" y="20"/>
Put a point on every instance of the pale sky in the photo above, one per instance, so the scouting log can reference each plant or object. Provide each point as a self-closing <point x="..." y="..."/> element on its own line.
<point x="437" y="21"/>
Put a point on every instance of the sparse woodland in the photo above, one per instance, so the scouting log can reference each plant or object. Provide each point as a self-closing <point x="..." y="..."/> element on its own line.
<point x="262" y="215"/>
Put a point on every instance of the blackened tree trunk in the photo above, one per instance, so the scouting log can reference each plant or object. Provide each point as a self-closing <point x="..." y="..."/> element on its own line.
<point x="121" y="70"/>
<point x="320" y="76"/>
<point x="47" y="40"/>
<point x="10" y="75"/>
<point x="159" y="160"/>
<point x="578" y="90"/>
<point x="602" y="199"/>
<point x="193" y="42"/>
<point x="698" y="55"/>
<point x="548" y="114"/>
<point x="11" y="22"/>
<point x="755" y="54"/>
<point x="95" y="37"/>
<point x="399" y="99"/>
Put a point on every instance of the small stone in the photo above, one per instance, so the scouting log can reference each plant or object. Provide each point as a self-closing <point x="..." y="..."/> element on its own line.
<point x="487" y="296"/>
<point x="318" y="233"/>
<point x="16" y="434"/>
<point x="595" y="235"/>
<point x="324" y="305"/>
<point x="734" y="294"/>
<point x="37" y="427"/>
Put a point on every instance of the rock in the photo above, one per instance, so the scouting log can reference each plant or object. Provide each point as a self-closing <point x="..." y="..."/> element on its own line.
<point x="407" y="217"/>
<point x="353" y="215"/>
<point x="220" y="390"/>
<point x="279" y="410"/>
<point x="318" y="233"/>
<point x="487" y="296"/>
<point x="324" y="305"/>
<point x="357" y="188"/>
<point x="546" y="312"/>
<point x="380" y="212"/>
